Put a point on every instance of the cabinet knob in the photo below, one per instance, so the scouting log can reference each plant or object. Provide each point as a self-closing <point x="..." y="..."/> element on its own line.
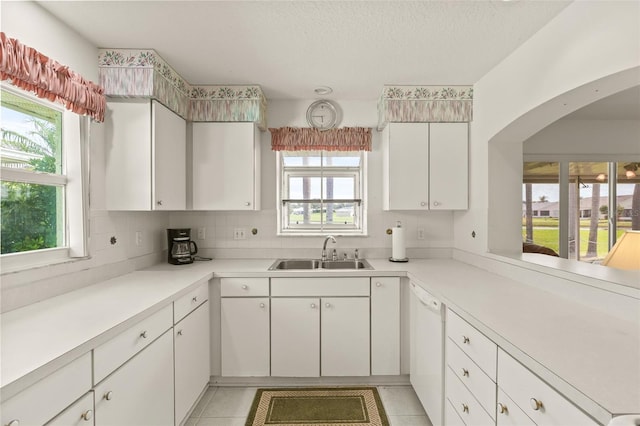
<point x="87" y="415"/>
<point x="144" y="334"/>
<point x="465" y="372"/>
<point x="262" y="305"/>
<point x="422" y="203"/>
<point x="244" y="286"/>
<point x="465" y="340"/>
<point x="327" y="305"/>
<point x="159" y="202"/>
<point x="465" y="408"/>
<point x="313" y="306"/>
<point x="179" y="332"/>
<point x="436" y="203"/>
<point x="378" y="284"/>
<point x="108" y="396"/>
<point x="502" y="409"/>
<point x="247" y="204"/>
<point x="15" y="422"/>
<point x="535" y="404"/>
<point x="195" y="299"/>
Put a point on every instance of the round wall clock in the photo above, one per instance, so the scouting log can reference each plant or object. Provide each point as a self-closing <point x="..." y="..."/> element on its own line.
<point x="322" y="115"/>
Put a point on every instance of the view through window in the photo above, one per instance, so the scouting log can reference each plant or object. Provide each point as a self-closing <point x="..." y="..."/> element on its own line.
<point x="591" y="195"/>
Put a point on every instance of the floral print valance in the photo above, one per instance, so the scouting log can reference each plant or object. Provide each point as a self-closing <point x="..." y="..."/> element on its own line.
<point x="30" y="70"/>
<point x="308" y="139"/>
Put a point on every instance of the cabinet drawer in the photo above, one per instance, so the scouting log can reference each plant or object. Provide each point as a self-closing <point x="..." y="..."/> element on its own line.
<point x="320" y="287"/>
<point x="79" y="414"/>
<point x="190" y="301"/>
<point x="43" y="400"/>
<point x="538" y="400"/>
<point x="244" y="287"/>
<point x="509" y="414"/>
<point x="110" y="355"/>
<point x="463" y="402"/>
<point x="451" y="418"/>
<point x="480" y="385"/>
<point x="475" y="344"/>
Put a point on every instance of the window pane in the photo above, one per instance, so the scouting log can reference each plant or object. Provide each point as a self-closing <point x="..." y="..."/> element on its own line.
<point x="342" y="159"/>
<point x="32" y="217"/>
<point x="304" y="188"/>
<point x="628" y="200"/>
<point x="31" y="135"/>
<point x="541" y="205"/>
<point x="340" y="214"/>
<point x="339" y="188"/>
<point x="301" y="158"/>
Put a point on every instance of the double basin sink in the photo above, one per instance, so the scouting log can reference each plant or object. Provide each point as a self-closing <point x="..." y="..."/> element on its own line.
<point x="311" y="264"/>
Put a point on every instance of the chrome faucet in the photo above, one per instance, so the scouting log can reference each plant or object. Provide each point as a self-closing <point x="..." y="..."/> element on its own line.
<point x="324" y="246"/>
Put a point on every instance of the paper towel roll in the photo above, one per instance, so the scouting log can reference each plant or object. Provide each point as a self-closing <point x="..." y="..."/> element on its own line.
<point x="398" y="244"/>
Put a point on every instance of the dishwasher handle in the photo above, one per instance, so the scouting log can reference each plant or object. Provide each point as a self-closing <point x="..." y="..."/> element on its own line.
<point x="425" y="298"/>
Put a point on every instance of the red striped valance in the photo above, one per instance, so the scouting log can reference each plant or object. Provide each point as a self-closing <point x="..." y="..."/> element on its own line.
<point x="32" y="71"/>
<point x="309" y="139"/>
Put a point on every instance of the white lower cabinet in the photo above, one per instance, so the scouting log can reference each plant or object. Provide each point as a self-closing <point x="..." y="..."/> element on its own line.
<point x="464" y="403"/>
<point x="295" y="337"/>
<point x="245" y="336"/>
<point x="344" y="336"/>
<point x="140" y="392"/>
<point x="509" y="414"/>
<point x="78" y="414"/>
<point x="385" y="326"/>
<point x="192" y="353"/>
<point x="451" y="418"/>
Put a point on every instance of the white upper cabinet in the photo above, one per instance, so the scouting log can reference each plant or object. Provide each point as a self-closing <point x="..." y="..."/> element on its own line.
<point x="226" y="166"/>
<point x="425" y="166"/>
<point x="145" y="156"/>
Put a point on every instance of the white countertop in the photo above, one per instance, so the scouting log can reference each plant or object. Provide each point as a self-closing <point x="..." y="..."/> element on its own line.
<point x="591" y="357"/>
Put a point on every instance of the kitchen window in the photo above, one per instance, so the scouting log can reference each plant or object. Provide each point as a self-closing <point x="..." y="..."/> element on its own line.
<point x="43" y="182"/>
<point x="321" y="192"/>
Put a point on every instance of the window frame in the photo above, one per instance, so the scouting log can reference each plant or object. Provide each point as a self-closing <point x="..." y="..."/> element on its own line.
<point x="360" y="178"/>
<point x="74" y="179"/>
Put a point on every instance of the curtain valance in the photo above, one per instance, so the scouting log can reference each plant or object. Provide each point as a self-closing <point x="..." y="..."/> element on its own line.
<point x="32" y="71"/>
<point x="308" y="139"/>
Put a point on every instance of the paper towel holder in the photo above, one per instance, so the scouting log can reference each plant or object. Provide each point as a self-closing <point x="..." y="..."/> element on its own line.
<point x="392" y="259"/>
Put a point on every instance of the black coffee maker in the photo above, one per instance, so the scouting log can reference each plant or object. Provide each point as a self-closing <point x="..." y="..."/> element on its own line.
<point x="181" y="249"/>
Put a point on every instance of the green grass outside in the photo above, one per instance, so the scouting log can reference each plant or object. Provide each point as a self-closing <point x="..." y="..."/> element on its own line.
<point x="315" y="218"/>
<point x="553" y="222"/>
<point x="549" y="238"/>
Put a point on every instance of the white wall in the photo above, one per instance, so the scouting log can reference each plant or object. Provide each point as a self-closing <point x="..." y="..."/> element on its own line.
<point x="219" y="226"/>
<point x="33" y="26"/>
<point x="589" y="51"/>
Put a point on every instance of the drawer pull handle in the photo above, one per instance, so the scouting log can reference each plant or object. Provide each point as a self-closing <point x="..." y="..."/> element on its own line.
<point x="465" y="339"/>
<point x="327" y="305"/>
<point x="144" y="334"/>
<point x="87" y="415"/>
<point x="465" y="372"/>
<point x="108" y="396"/>
<point x="502" y="409"/>
<point x="313" y="306"/>
<point x="422" y="203"/>
<point x="179" y="332"/>
<point x="465" y="408"/>
<point x="195" y="299"/>
<point x="535" y="404"/>
<point x="378" y="284"/>
<point x="244" y="286"/>
<point x="262" y="305"/>
<point x="15" y="422"/>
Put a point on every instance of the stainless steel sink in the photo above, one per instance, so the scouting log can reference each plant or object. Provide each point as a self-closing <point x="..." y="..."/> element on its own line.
<point x="307" y="264"/>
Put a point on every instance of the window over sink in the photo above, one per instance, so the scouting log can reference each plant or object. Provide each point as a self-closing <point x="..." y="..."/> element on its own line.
<point x="321" y="192"/>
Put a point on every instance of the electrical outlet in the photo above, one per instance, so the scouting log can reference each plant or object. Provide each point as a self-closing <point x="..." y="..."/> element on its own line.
<point x="240" y="233"/>
<point x="202" y="233"/>
<point x="421" y="233"/>
<point x="138" y="238"/>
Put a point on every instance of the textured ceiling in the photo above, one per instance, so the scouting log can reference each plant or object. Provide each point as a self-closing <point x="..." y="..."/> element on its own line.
<point x="291" y="47"/>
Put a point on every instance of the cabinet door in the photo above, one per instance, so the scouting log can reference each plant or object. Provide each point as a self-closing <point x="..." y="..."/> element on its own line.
<point x="295" y="337"/>
<point x="192" y="367"/>
<point x="140" y="392"/>
<point x="128" y="155"/>
<point x="169" y="150"/>
<point x="344" y="335"/>
<point x="406" y="168"/>
<point x="80" y="413"/>
<point x="226" y="166"/>
<point x="245" y="336"/>
<point x="448" y="170"/>
<point x="385" y="326"/>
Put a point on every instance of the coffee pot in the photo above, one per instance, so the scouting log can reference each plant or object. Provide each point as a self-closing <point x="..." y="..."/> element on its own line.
<point x="181" y="249"/>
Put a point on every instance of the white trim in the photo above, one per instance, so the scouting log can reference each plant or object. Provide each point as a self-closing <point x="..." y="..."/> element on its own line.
<point x="27" y="176"/>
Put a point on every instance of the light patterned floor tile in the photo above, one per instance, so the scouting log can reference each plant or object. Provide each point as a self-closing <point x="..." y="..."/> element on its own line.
<point x="400" y="401"/>
<point x="230" y="402"/>
<point x="222" y="421"/>
<point x="409" y="421"/>
<point x="204" y="401"/>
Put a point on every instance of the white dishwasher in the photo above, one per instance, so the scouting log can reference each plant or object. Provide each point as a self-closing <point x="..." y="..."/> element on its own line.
<point x="427" y="351"/>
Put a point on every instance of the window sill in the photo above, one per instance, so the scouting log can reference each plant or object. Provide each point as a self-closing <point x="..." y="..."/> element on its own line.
<point x="321" y="234"/>
<point x="21" y="262"/>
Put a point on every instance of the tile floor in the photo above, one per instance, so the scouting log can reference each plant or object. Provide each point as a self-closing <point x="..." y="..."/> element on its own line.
<point x="229" y="406"/>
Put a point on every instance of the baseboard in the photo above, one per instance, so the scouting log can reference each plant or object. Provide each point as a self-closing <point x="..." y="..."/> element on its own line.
<point x="400" y="380"/>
